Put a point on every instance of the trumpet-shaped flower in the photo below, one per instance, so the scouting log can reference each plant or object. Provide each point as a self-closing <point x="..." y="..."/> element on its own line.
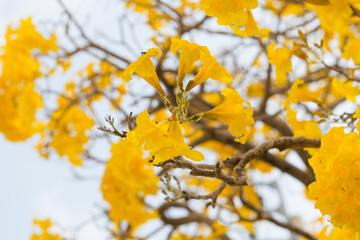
<point x="164" y="140"/>
<point x="191" y="52"/>
<point x="145" y="68"/>
<point x="211" y="69"/>
<point x="233" y="112"/>
<point x="147" y="132"/>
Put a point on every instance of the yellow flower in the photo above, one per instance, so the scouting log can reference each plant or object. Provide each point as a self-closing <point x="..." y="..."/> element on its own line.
<point x="70" y="131"/>
<point x="147" y="132"/>
<point x="44" y="233"/>
<point x="191" y="52"/>
<point x="228" y="12"/>
<point x="67" y="127"/>
<point x="337" y="172"/>
<point x="156" y="19"/>
<point x="339" y="233"/>
<point x="280" y="58"/>
<point x="284" y="8"/>
<point x="357" y="115"/>
<point x="351" y="50"/>
<point x="334" y="17"/>
<point x="309" y="129"/>
<point x="145" y="68"/>
<point x="301" y="92"/>
<point x="164" y="140"/>
<point x="255" y="90"/>
<point x="251" y="28"/>
<point x="344" y="89"/>
<point x="121" y="187"/>
<point x="234" y="14"/>
<point x="211" y="69"/>
<point x="233" y="112"/>
<point x="20" y="67"/>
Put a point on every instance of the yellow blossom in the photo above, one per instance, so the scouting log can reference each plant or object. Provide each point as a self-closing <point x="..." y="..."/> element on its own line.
<point x="191" y="52"/>
<point x="234" y="14"/>
<point x="20" y="67"/>
<point x="357" y="115"/>
<point x="284" y="8"/>
<point x="351" y="50"/>
<point x="280" y="58"/>
<point x="156" y="19"/>
<point x="70" y="130"/>
<point x="344" y="89"/>
<point x="67" y="127"/>
<point x="338" y="234"/>
<point x="164" y="140"/>
<point x="101" y="76"/>
<point x="337" y="172"/>
<point x="222" y="151"/>
<point x="211" y="69"/>
<point x="301" y="92"/>
<point x="334" y="17"/>
<point x="309" y="129"/>
<point x="126" y="181"/>
<point x="251" y="28"/>
<point x="145" y="68"/>
<point x="45" y="232"/>
<point x="233" y="112"/>
<point x="255" y="90"/>
<point x="147" y="132"/>
<point x="228" y="12"/>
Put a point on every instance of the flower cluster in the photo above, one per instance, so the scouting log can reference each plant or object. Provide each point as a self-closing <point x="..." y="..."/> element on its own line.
<point x="125" y="187"/>
<point x="234" y="14"/>
<point x="165" y="140"/>
<point x="20" y="68"/>
<point x="69" y="124"/>
<point x="337" y="171"/>
<point x="45" y="233"/>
